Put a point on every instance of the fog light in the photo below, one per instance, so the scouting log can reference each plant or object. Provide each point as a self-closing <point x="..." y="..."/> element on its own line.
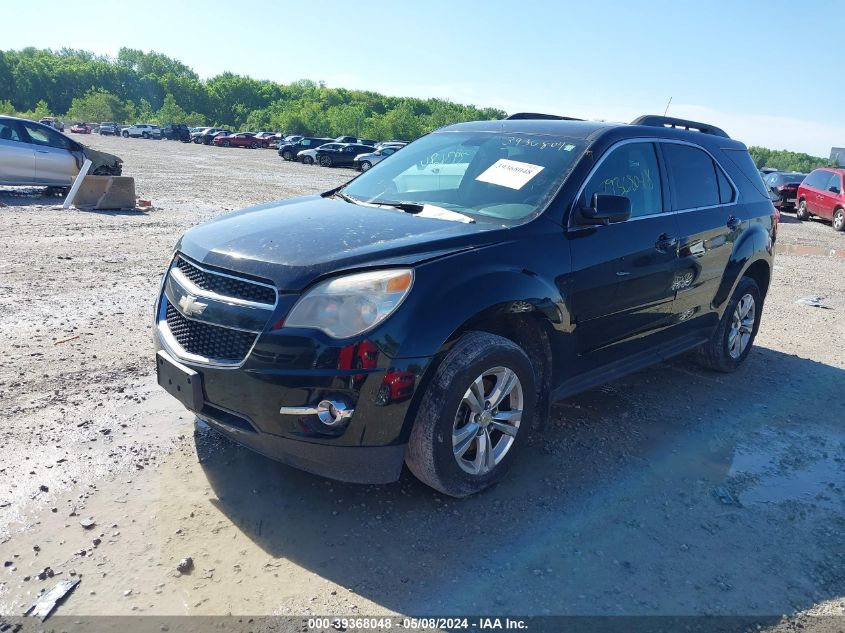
<point x="332" y="412"/>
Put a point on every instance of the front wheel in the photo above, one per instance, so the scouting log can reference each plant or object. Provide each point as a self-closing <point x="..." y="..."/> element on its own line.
<point x="226" y="143"/>
<point x="365" y="165"/>
<point x="839" y="220"/>
<point x="326" y="161"/>
<point x="801" y="212"/>
<point x="125" y="134"/>
<point x="474" y="415"/>
<point x="731" y="342"/>
<point x="287" y="155"/>
<point x="146" y="135"/>
<point x="307" y="160"/>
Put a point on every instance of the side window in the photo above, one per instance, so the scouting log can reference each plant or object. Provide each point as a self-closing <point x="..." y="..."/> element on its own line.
<point x="726" y="192"/>
<point x="692" y="176"/>
<point x="630" y="170"/>
<point x="44" y="136"/>
<point x="834" y="185"/>
<point x="818" y="179"/>
<point x="8" y="131"/>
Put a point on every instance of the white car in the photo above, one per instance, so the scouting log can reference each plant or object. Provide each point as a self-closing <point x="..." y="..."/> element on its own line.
<point x="363" y="162"/>
<point x="142" y="130"/>
<point x="309" y="156"/>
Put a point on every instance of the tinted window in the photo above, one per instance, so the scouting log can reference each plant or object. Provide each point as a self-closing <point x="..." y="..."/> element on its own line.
<point x="630" y="170"/>
<point x="818" y="179"/>
<point x="692" y="176"/>
<point x="726" y="192"/>
<point x="8" y="131"/>
<point x="41" y="135"/>
<point x="834" y="184"/>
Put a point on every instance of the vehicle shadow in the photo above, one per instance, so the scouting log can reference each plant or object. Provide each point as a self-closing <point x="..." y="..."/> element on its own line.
<point x="675" y="491"/>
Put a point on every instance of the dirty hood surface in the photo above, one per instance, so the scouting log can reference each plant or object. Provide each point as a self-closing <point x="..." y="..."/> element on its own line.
<point x="295" y="241"/>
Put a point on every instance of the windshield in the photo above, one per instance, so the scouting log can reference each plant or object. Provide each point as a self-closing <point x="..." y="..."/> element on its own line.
<point x="506" y="176"/>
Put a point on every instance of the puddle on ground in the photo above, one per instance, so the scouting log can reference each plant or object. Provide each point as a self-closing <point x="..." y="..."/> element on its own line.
<point x="809" y="249"/>
<point x="783" y="467"/>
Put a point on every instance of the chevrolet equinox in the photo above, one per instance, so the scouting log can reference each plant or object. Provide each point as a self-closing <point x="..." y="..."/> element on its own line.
<point x="430" y="311"/>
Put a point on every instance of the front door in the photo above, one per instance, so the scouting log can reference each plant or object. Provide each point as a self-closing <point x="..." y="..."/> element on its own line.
<point x="54" y="163"/>
<point x="829" y="197"/>
<point x="622" y="290"/>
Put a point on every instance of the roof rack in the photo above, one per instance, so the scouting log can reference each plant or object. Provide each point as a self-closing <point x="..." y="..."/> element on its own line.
<point x="655" y="120"/>
<point x="536" y="115"/>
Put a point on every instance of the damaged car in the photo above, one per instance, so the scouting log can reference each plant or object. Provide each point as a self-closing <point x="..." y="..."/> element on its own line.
<point x="33" y="154"/>
<point x="429" y="312"/>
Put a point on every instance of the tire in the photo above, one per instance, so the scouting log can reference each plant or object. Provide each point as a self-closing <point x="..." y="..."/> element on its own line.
<point x="287" y="155"/>
<point x="718" y="353"/>
<point x="145" y="135"/>
<point x="326" y="161"/>
<point x="226" y="143"/>
<point x="307" y="160"/>
<point x="125" y="134"/>
<point x="365" y="165"/>
<point x="801" y="211"/>
<point x="253" y="146"/>
<point x="839" y="220"/>
<point x="445" y="416"/>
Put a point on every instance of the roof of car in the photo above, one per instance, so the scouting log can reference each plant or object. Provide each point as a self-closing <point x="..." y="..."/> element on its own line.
<point x="592" y="130"/>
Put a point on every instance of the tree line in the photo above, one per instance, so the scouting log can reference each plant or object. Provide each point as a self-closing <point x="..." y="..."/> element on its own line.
<point x="153" y="88"/>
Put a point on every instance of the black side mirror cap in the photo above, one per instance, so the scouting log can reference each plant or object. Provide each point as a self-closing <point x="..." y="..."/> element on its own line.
<point x="606" y="209"/>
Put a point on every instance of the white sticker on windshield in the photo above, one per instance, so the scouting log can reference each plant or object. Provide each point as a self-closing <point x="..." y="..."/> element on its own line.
<point x="509" y="173"/>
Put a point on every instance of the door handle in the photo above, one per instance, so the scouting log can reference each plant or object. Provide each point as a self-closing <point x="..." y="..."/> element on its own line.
<point x="42" y="151"/>
<point x="733" y="223"/>
<point x="665" y="242"/>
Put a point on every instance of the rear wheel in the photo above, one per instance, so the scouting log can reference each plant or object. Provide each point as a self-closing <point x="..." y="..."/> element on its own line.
<point x="326" y="161"/>
<point x="226" y="143"/>
<point x="839" y="220"/>
<point x="365" y="165"/>
<point x="474" y="415"/>
<point x="125" y="134"/>
<point x="145" y="134"/>
<point x="801" y="212"/>
<point x="307" y="160"/>
<point x="287" y="155"/>
<point x="254" y="145"/>
<point x="731" y="342"/>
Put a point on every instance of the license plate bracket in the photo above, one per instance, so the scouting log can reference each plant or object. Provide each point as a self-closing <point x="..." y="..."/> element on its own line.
<point x="181" y="382"/>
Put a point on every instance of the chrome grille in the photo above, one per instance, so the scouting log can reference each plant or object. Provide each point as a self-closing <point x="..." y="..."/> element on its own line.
<point x="208" y="341"/>
<point x="226" y="285"/>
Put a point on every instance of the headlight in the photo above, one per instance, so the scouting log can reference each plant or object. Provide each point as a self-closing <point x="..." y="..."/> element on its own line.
<point x="350" y="305"/>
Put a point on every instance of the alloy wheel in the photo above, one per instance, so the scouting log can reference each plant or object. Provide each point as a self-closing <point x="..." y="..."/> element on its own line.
<point x="742" y="326"/>
<point x="839" y="220"/>
<point x="487" y="420"/>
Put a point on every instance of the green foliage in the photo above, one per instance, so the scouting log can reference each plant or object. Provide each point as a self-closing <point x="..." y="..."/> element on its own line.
<point x="97" y="106"/>
<point x="784" y="160"/>
<point x="151" y="87"/>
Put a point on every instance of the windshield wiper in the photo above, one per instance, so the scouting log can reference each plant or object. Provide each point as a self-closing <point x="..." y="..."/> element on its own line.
<point x="343" y="196"/>
<point x="424" y="210"/>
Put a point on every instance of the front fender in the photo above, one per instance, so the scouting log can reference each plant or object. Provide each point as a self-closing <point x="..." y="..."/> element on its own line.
<point x="475" y="291"/>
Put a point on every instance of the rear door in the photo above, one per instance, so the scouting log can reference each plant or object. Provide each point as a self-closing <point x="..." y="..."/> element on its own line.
<point x="704" y="201"/>
<point x="17" y="157"/>
<point x="622" y="295"/>
<point x="54" y="163"/>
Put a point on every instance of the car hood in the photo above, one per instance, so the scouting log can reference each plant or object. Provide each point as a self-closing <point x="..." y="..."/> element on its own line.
<point x="98" y="159"/>
<point x="294" y="242"/>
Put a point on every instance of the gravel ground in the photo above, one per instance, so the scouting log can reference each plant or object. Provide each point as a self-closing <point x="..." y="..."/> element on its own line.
<point x="675" y="491"/>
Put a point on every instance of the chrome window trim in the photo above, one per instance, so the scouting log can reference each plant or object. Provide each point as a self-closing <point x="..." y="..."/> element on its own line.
<point x="651" y="139"/>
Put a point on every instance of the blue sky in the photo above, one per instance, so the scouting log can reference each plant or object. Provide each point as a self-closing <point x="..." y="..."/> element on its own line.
<point x="766" y="71"/>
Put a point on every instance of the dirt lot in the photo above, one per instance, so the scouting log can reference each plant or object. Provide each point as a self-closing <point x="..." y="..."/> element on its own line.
<point x="675" y="491"/>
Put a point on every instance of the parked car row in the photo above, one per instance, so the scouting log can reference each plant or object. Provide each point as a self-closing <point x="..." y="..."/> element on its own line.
<point x="820" y="193"/>
<point x="344" y="151"/>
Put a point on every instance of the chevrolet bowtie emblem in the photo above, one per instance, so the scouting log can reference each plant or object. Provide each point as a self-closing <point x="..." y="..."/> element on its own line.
<point x="190" y="306"/>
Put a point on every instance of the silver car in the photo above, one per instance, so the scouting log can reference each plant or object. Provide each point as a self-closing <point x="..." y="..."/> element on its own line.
<point x="33" y="154"/>
<point x="363" y="162"/>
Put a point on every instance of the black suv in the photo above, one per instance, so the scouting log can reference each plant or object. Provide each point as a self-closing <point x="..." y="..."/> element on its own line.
<point x="429" y="311"/>
<point x="176" y="132"/>
<point x="288" y="151"/>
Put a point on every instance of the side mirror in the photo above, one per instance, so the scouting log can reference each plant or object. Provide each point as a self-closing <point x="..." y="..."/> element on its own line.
<point x="606" y="209"/>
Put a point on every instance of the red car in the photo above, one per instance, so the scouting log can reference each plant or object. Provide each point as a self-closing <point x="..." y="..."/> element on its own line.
<point x="822" y="194"/>
<point x="242" y="139"/>
<point x="81" y="128"/>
